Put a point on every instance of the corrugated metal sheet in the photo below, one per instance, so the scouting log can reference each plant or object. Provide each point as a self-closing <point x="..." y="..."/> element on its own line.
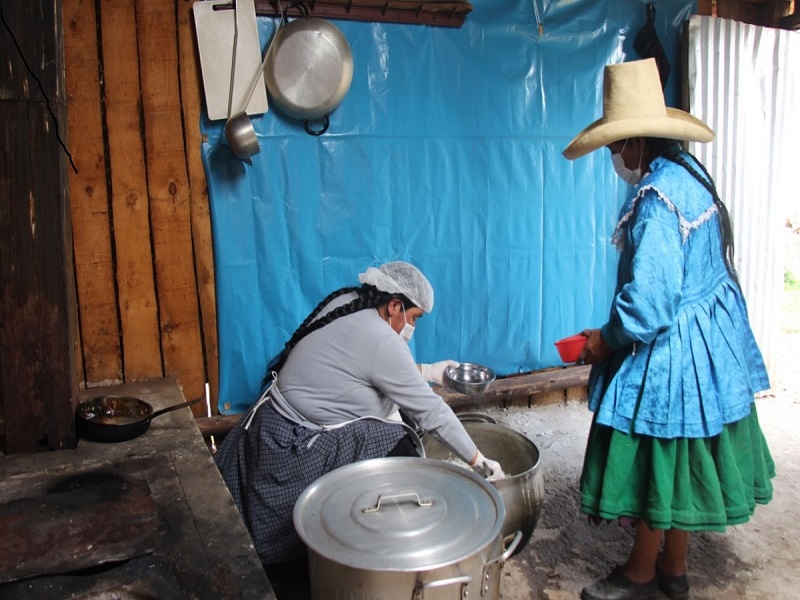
<point x="743" y="81"/>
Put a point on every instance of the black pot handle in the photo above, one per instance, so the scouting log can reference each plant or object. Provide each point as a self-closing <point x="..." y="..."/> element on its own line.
<point x="300" y="6"/>
<point x="326" y="122"/>
<point x="175" y="407"/>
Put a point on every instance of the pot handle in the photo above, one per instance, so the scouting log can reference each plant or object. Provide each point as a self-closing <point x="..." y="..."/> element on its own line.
<point x="300" y="6"/>
<point x="325" y="123"/>
<point x="176" y="407"/>
<point x="420" y="588"/>
<point x="517" y="537"/>
<point x="381" y="498"/>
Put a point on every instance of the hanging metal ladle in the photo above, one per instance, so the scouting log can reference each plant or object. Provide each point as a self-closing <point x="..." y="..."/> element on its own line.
<point x="239" y="129"/>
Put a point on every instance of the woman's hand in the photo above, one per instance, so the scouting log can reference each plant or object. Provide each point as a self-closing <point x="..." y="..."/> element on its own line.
<point x="595" y="349"/>
<point x="486" y="467"/>
<point x="434" y="373"/>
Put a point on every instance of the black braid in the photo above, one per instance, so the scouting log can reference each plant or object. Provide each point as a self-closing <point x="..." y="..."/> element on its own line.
<point x="671" y="150"/>
<point x="320" y="306"/>
<point x="368" y="297"/>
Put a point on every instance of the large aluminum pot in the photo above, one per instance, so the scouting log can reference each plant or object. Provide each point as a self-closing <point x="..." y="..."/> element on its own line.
<point x="308" y="69"/>
<point x="403" y="528"/>
<point x="523" y="488"/>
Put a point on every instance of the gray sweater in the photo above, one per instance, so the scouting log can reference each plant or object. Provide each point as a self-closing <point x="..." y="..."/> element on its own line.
<point x="357" y="366"/>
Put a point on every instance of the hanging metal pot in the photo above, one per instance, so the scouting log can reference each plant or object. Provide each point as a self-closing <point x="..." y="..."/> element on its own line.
<point x="309" y="68"/>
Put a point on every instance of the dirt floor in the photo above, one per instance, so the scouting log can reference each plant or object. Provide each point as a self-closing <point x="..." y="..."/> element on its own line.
<point x="759" y="559"/>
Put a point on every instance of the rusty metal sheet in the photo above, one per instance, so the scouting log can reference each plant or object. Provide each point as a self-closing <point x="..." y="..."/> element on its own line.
<point x="80" y="522"/>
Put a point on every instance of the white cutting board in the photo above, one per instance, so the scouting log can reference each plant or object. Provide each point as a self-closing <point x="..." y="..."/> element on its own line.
<point x="216" y="30"/>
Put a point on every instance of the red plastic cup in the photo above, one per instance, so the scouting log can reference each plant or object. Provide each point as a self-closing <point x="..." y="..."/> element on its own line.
<point x="570" y="347"/>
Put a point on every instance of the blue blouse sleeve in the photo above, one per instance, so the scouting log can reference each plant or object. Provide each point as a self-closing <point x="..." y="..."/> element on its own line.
<point x="648" y="302"/>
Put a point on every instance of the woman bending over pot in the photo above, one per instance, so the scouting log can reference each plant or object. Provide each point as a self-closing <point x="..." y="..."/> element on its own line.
<point x="675" y="444"/>
<point x="333" y="398"/>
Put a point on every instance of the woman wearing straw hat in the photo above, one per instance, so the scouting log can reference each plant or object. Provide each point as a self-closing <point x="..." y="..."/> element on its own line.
<point x="675" y="445"/>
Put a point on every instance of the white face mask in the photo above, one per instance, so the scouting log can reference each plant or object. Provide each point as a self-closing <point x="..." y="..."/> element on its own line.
<point x="408" y="330"/>
<point x="628" y="176"/>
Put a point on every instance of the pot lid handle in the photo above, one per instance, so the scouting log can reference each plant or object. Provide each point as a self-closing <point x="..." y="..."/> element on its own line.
<point x="381" y="498"/>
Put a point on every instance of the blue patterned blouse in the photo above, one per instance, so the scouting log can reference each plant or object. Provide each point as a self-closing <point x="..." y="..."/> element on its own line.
<point x="685" y="360"/>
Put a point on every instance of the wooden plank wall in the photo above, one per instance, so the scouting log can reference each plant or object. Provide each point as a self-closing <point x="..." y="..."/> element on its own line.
<point x="142" y="234"/>
<point x="141" y="222"/>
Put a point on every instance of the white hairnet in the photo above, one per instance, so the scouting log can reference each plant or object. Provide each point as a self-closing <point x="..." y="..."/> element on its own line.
<point x="401" y="278"/>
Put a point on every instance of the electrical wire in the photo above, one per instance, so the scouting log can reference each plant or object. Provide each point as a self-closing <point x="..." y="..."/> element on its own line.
<point x="39" y="83"/>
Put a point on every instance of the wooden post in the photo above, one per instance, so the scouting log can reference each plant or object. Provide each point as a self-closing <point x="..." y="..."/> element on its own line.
<point x="38" y="379"/>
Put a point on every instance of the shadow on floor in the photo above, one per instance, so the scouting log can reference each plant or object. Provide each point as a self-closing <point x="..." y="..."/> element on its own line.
<point x="290" y="580"/>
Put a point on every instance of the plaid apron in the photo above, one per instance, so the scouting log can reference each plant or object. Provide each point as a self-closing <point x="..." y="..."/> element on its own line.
<point x="267" y="461"/>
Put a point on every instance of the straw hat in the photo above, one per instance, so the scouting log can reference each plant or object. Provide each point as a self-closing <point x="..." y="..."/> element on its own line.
<point x="633" y="106"/>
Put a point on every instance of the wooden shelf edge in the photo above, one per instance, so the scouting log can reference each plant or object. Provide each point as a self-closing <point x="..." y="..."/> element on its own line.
<point x="502" y="389"/>
<point x="406" y="12"/>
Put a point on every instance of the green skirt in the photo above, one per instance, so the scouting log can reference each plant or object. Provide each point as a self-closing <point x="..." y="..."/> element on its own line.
<point x="694" y="484"/>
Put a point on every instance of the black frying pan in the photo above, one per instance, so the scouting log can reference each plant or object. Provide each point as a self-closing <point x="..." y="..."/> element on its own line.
<point x="118" y="418"/>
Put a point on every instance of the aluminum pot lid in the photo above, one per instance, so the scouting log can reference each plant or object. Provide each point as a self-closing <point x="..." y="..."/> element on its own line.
<point x="399" y="514"/>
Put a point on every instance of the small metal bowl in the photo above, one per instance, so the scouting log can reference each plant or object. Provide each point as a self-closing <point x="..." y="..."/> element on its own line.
<point x="468" y="378"/>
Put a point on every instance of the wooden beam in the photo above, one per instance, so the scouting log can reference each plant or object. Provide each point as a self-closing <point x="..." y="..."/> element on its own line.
<point x="407" y="12"/>
<point x="200" y="209"/>
<point x="169" y="194"/>
<point x="88" y="191"/>
<point x="38" y="378"/>
<point x="500" y="391"/>
<point x="217" y="425"/>
<point x="135" y="280"/>
<point x="515" y="386"/>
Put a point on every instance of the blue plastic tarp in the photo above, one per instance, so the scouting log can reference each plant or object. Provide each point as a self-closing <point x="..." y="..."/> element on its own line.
<point x="446" y="153"/>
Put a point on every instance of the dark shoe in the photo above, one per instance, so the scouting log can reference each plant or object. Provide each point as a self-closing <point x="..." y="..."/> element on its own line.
<point x="615" y="586"/>
<point x="674" y="587"/>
